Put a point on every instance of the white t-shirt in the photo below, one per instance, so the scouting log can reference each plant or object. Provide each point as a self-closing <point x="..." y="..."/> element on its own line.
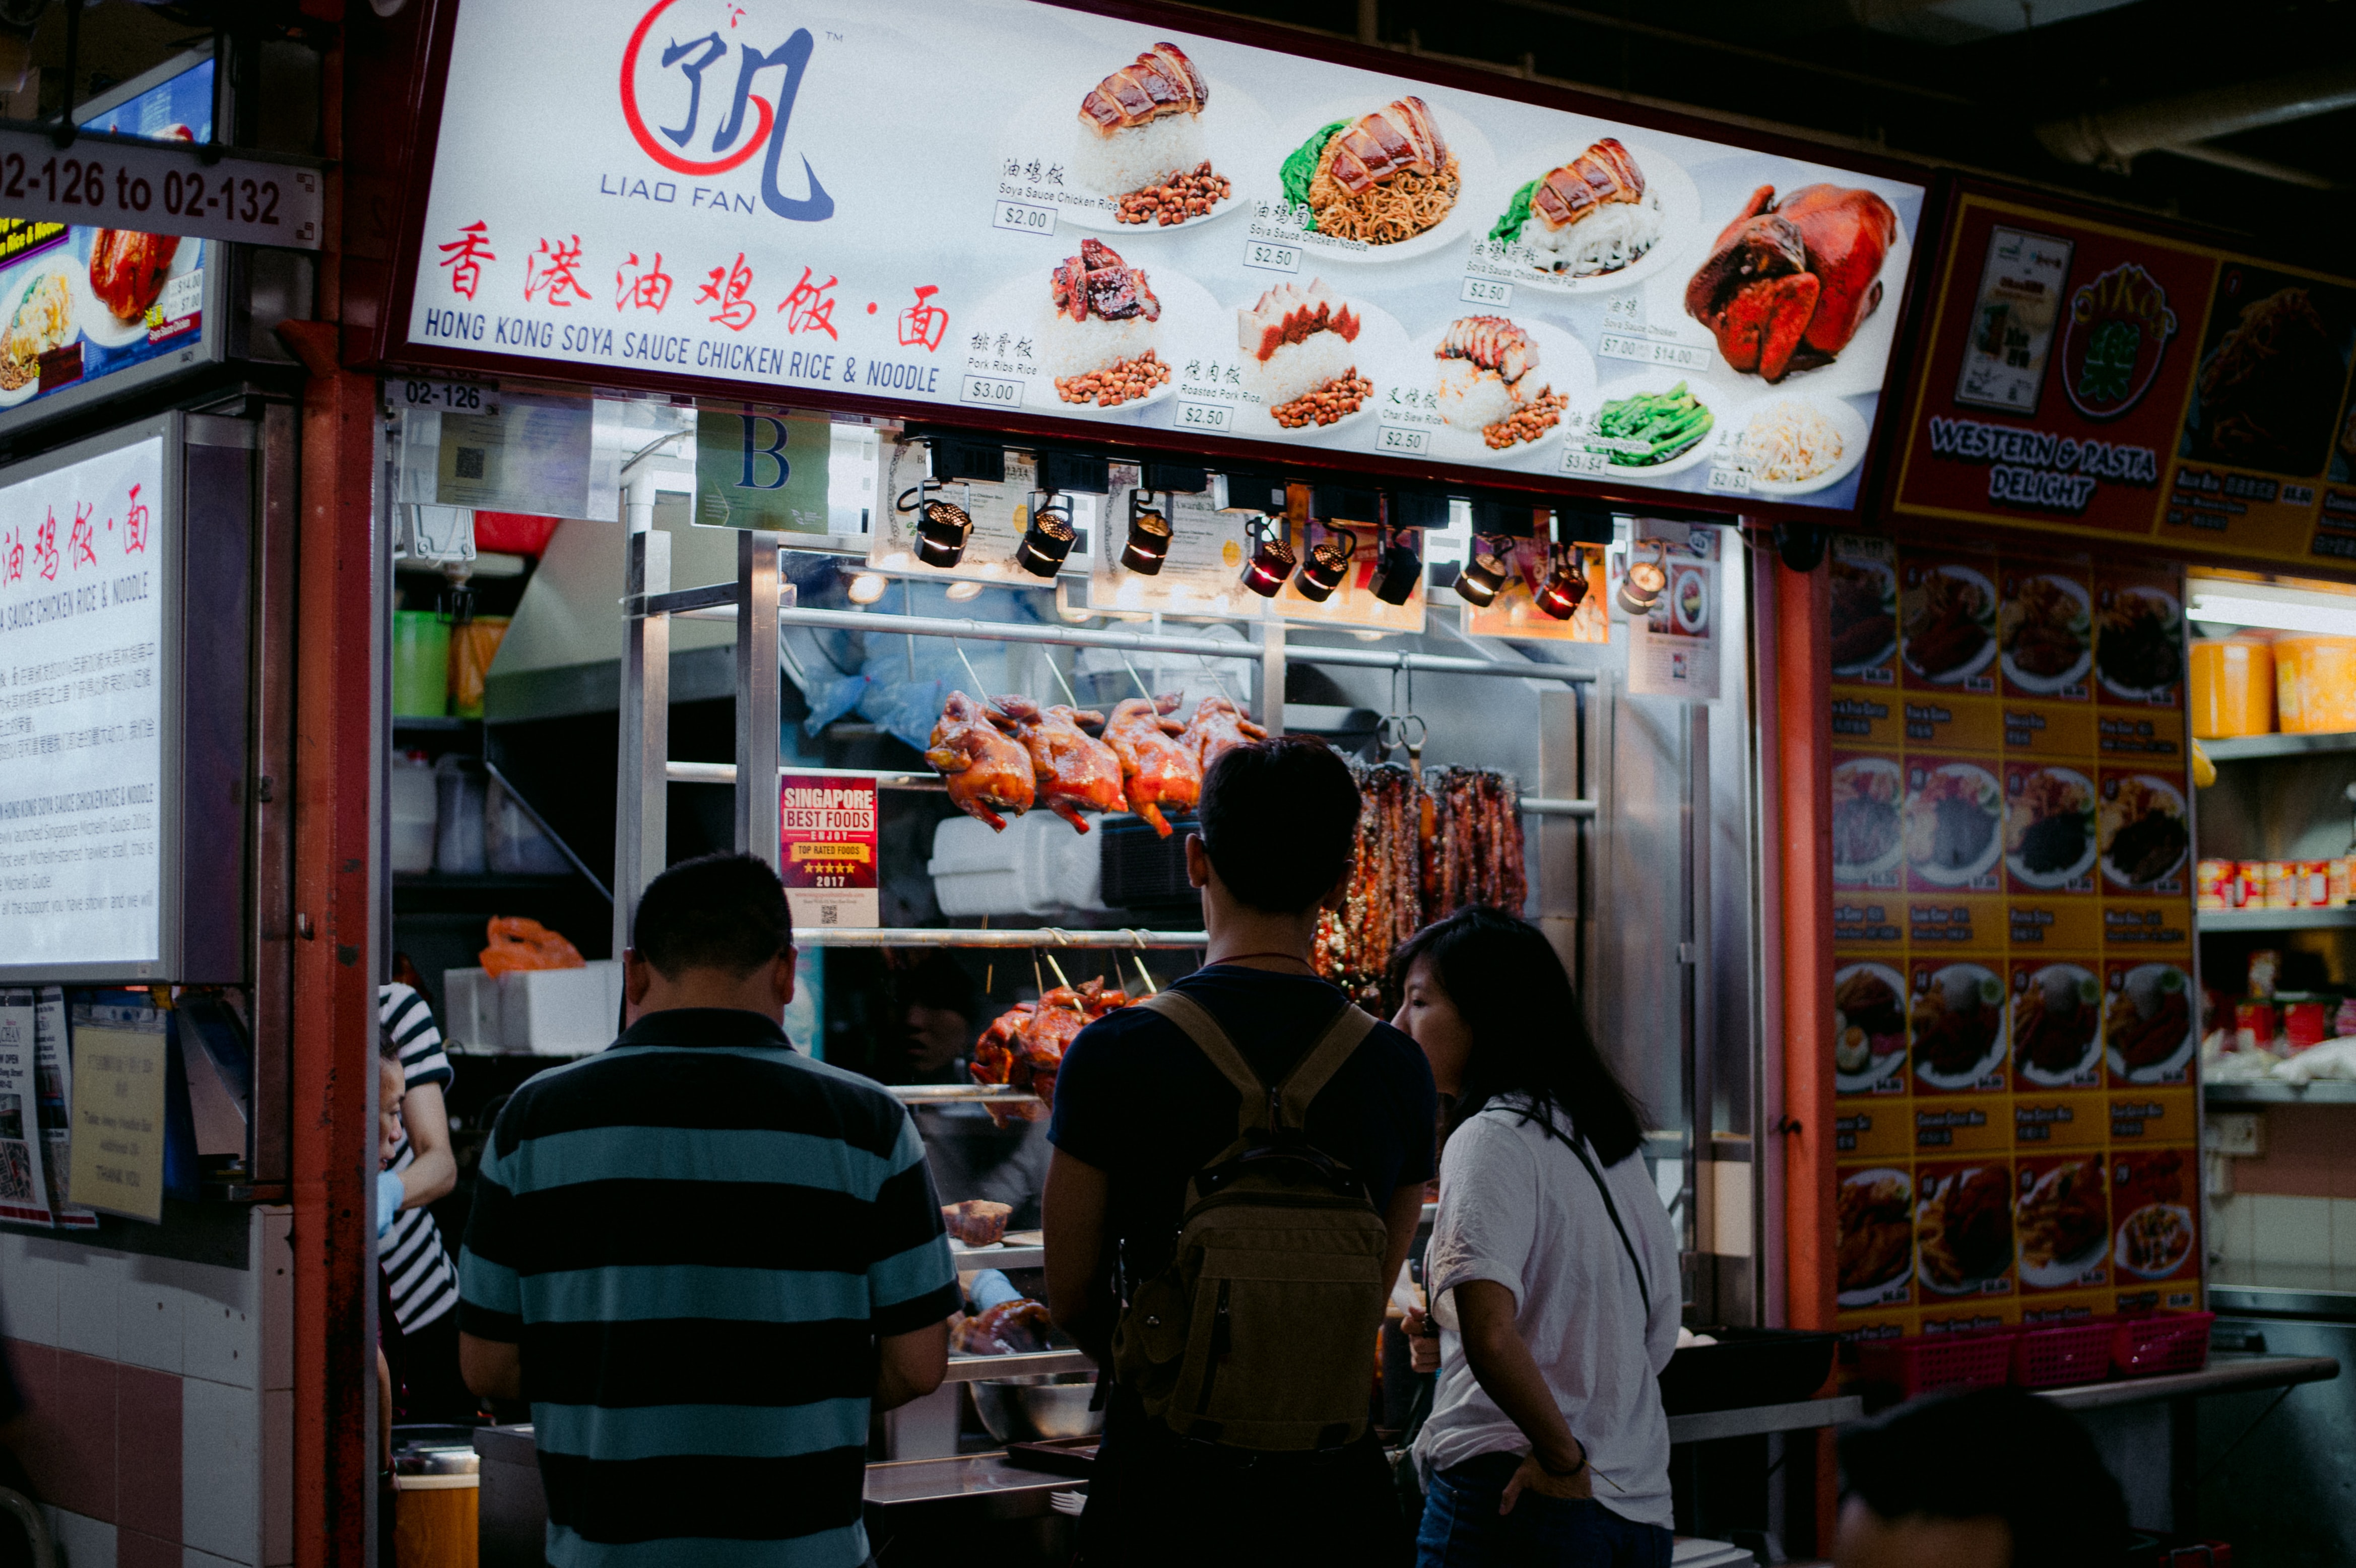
<point x="1516" y="1207"/>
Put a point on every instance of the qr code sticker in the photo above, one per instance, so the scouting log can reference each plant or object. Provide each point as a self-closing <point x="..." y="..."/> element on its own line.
<point x="469" y="464"/>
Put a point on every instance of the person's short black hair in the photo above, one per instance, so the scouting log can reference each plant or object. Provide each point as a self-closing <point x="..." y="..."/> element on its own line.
<point x="717" y="912"/>
<point x="1280" y="819"/>
<point x="1992" y="1453"/>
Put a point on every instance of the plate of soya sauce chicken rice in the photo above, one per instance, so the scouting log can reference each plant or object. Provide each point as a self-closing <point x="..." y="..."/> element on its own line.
<point x="1950" y="624"/>
<point x="2047" y="634"/>
<point x="1141" y="144"/>
<point x="1958" y="1026"/>
<point x="1864" y="614"/>
<point x="1952" y="824"/>
<point x="2139" y="644"/>
<point x="1867" y="837"/>
<point x="1501" y="385"/>
<point x="1963" y="1229"/>
<point x="1604" y="219"/>
<point x="1869" y="1025"/>
<point x="1877" y="1235"/>
<point x="2064" y="1223"/>
<point x="2145" y="837"/>
<point x="2049" y="827"/>
<point x="2057" y="1015"/>
<point x="2148" y="1023"/>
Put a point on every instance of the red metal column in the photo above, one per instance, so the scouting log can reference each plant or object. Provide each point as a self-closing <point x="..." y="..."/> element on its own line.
<point x="334" y="997"/>
<point x="1804" y="730"/>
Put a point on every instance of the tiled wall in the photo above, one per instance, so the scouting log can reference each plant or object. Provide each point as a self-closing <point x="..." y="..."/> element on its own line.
<point x="161" y="1396"/>
<point x="2296" y="1202"/>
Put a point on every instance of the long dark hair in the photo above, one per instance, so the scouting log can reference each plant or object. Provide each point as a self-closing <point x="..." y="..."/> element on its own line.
<point x="1529" y="1037"/>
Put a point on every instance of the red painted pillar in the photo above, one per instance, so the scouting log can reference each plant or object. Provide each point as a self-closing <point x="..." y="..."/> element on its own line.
<point x="1803" y="714"/>
<point x="335" y="1028"/>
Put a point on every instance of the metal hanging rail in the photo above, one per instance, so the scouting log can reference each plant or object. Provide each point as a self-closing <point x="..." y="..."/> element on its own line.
<point x="1125" y="940"/>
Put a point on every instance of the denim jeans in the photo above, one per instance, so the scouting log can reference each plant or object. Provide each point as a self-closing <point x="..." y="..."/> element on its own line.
<point x="1461" y="1527"/>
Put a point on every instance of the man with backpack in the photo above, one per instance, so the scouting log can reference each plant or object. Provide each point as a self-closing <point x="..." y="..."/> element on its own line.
<point x="1237" y="1175"/>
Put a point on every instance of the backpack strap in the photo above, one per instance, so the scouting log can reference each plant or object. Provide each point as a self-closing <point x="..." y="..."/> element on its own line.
<point x="1204" y="1030"/>
<point x="1265" y="1108"/>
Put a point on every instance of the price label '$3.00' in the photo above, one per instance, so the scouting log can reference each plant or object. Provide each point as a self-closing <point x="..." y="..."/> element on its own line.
<point x="991" y="391"/>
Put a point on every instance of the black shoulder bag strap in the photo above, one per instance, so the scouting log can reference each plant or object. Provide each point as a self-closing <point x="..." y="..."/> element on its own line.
<point x="1610" y="1207"/>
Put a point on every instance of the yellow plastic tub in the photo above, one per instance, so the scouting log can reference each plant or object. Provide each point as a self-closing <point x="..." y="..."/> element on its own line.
<point x="2233" y="687"/>
<point x="2315" y="682"/>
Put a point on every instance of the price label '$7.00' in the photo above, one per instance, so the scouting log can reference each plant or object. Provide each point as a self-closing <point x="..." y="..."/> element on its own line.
<point x="1651" y="351"/>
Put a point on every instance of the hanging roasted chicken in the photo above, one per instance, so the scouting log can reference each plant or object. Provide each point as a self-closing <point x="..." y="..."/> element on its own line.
<point x="986" y="772"/>
<point x="1218" y="728"/>
<point x="1158" y="768"/>
<point x="1023" y="1048"/>
<point x="1789" y="282"/>
<point x="1075" y="771"/>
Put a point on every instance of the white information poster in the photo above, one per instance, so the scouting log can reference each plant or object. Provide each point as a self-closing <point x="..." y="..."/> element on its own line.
<point x="83" y="572"/>
<point x="24" y="1196"/>
<point x="53" y="1069"/>
<point x="1673" y="652"/>
<point x="120" y="1056"/>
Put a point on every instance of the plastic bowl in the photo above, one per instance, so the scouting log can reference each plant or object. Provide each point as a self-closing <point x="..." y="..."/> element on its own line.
<point x="1030" y="1410"/>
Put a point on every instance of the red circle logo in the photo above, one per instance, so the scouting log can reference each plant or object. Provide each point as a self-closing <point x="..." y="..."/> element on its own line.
<point x="765" y="115"/>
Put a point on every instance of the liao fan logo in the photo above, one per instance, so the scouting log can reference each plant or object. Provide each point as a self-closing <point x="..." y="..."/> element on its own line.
<point x="705" y="86"/>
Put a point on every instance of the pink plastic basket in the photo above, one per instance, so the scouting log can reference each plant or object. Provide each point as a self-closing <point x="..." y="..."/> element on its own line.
<point x="1921" y="1363"/>
<point x="2072" y="1353"/>
<point x="2167" y="1342"/>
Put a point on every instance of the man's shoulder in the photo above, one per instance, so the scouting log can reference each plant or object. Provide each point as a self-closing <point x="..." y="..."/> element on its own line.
<point x="705" y="1088"/>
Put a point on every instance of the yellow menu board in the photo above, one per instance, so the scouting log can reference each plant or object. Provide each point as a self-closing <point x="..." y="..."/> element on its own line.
<point x="2014" y="1042"/>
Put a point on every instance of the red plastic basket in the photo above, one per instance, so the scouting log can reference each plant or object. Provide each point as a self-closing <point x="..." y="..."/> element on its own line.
<point x="2072" y="1353"/>
<point x="2167" y="1342"/>
<point x="1921" y="1363"/>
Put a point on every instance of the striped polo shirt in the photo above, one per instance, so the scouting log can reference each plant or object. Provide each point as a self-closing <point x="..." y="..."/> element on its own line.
<point x="696" y="1237"/>
<point x="423" y="1284"/>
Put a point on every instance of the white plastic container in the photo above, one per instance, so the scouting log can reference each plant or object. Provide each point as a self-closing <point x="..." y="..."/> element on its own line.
<point x="458" y="832"/>
<point x="410" y="801"/>
<point x="470" y="1010"/>
<point x="1039" y="865"/>
<point x="559" y="1012"/>
<point x="513" y="842"/>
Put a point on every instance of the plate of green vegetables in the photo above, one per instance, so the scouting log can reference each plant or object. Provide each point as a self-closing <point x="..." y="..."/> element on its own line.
<point x="1656" y="425"/>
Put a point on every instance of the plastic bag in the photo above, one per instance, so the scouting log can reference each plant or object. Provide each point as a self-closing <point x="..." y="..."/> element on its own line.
<point x="517" y="944"/>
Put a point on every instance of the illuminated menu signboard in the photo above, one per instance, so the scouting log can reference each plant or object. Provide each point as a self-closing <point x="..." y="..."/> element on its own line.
<point x="1144" y="231"/>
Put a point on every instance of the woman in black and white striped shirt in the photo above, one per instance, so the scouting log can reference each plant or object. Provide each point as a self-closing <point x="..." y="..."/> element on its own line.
<point x="418" y="1278"/>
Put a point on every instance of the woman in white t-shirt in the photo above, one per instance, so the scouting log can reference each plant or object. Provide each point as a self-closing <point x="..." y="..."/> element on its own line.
<point x="1552" y="1270"/>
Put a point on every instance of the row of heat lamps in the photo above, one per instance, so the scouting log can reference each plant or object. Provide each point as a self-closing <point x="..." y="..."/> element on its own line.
<point x="943" y="529"/>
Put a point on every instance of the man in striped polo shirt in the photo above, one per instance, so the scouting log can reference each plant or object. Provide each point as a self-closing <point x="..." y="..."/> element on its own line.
<point x="705" y="1259"/>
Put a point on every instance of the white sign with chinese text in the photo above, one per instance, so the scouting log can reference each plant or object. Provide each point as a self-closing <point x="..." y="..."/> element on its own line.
<point x="82" y="580"/>
<point x="791" y="197"/>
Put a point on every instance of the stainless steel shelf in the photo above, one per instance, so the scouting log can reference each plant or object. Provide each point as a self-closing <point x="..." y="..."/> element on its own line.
<point x="1752" y="1421"/>
<point x="973" y="1368"/>
<point x="1125" y="938"/>
<point x="2324" y="1092"/>
<point x="2220" y="922"/>
<point x="1031" y="1254"/>
<point x="2256" y="747"/>
<point x="2227" y="1373"/>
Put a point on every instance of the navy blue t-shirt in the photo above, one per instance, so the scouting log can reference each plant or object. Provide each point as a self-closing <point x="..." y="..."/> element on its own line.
<point x="1137" y="1099"/>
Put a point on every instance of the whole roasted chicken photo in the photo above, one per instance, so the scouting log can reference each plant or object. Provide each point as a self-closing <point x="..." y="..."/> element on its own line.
<point x="1789" y="282"/>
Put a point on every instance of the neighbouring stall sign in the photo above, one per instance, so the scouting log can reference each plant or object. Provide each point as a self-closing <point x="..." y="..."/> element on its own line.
<point x="116" y="183"/>
<point x="85" y="578"/>
<point x="761" y="468"/>
<point x="1148" y="229"/>
<point x="92" y="288"/>
<point x="2089" y="378"/>
<point x="827" y="851"/>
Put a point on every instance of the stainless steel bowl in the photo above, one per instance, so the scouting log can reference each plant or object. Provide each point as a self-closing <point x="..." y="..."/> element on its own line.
<point x="1026" y="1410"/>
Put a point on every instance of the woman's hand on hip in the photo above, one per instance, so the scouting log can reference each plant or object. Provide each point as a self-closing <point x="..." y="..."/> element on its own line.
<point x="1535" y="1476"/>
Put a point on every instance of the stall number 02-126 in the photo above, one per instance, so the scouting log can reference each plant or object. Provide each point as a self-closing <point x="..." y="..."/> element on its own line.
<point x="459" y="397"/>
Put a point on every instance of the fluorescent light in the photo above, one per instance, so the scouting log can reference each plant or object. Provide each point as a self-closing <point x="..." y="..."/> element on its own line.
<point x="2268" y="605"/>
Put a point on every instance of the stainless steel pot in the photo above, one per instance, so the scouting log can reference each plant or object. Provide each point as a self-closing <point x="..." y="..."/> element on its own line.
<point x="1026" y="1410"/>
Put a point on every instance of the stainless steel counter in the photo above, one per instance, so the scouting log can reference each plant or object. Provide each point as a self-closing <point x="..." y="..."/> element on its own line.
<point x="985" y="1483"/>
<point x="2297" y="1289"/>
<point x="2227" y="1373"/>
<point x="1755" y="1421"/>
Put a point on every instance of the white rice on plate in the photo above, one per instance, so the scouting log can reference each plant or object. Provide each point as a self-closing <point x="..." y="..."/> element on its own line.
<point x="1788" y="442"/>
<point x="1614" y="235"/>
<point x="1472" y="398"/>
<point x="1069" y="348"/>
<point x="1296" y="370"/>
<point x="1114" y="162"/>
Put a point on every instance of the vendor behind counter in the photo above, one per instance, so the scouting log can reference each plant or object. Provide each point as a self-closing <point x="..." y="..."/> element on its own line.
<point x="970" y="1154"/>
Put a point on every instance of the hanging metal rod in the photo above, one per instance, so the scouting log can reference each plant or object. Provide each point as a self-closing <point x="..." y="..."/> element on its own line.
<point x="1143" y="642"/>
<point x="1540" y="806"/>
<point x="725" y="773"/>
<point x="1128" y="938"/>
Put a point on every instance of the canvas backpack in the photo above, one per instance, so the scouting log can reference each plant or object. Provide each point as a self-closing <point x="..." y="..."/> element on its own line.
<point x="1260" y="1333"/>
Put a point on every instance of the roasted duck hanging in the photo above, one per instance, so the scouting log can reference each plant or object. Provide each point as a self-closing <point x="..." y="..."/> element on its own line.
<point x="1157" y="767"/>
<point x="986" y="772"/>
<point x="1023" y="1048"/>
<point x="1075" y="771"/>
<point x="1789" y="282"/>
<point x="1218" y="727"/>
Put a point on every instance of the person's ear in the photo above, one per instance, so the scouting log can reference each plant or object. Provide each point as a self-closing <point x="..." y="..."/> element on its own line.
<point x="637" y="977"/>
<point x="781" y="978"/>
<point x="1198" y="862"/>
<point x="1340" y="892"/>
